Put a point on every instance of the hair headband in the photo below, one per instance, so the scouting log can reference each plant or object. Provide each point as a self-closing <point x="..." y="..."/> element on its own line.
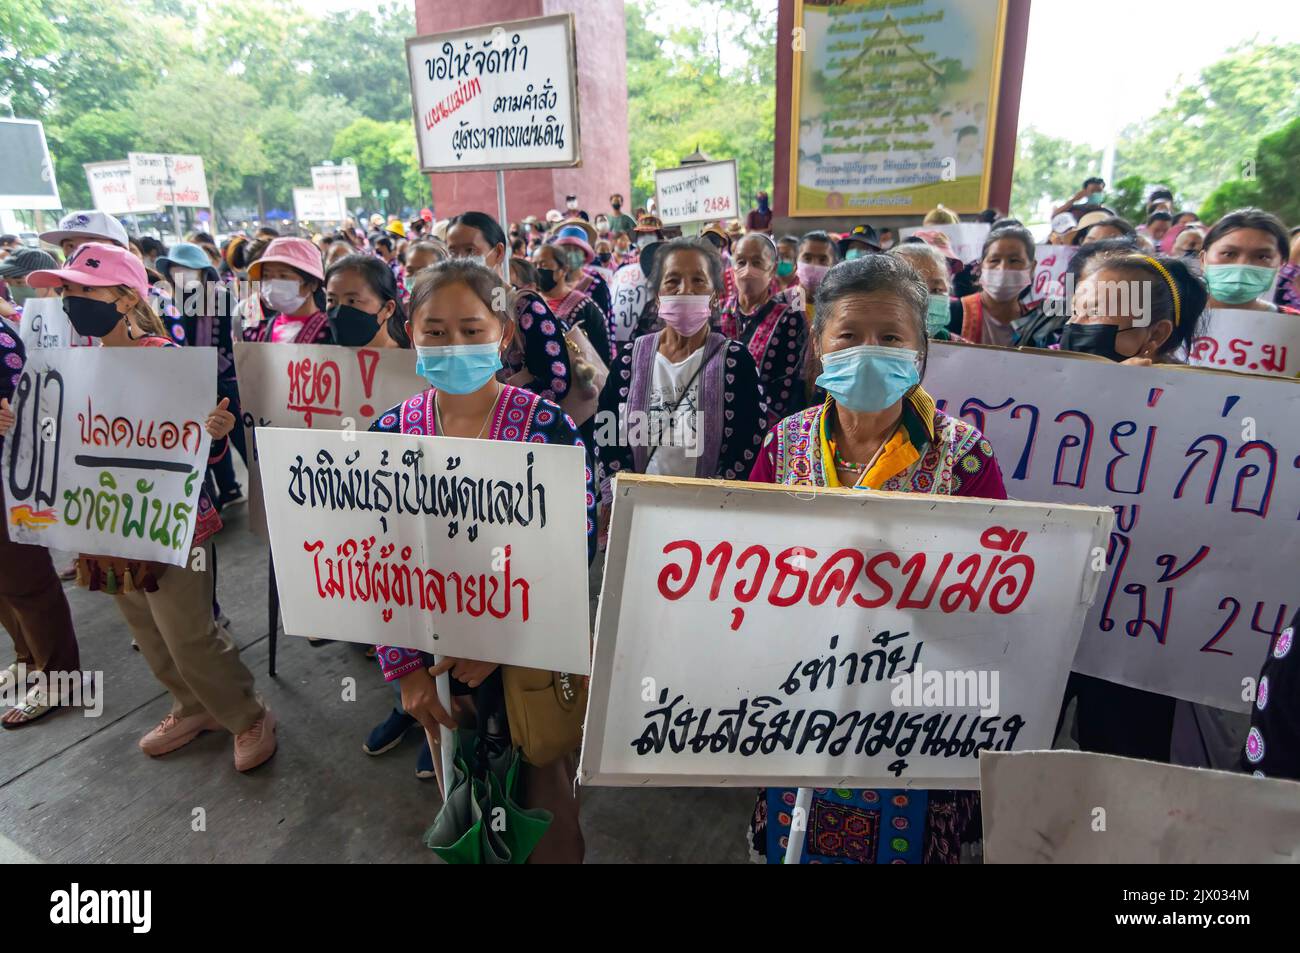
<point x="1173" y="287"/>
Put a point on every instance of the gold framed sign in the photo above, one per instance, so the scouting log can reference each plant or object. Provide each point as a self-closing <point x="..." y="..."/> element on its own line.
<point x="894" y="105"/>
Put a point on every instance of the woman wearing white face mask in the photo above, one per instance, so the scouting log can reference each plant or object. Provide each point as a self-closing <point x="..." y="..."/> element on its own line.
<point x="665" y="405"/>
<point x="993" y="314"/>
<point x="291" y="279"/>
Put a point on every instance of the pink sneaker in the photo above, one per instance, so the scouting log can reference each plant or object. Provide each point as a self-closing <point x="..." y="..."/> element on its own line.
<point x="172" y="733"/>
<point x="256" y="745"/>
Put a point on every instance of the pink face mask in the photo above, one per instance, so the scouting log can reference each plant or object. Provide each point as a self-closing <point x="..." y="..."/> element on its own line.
<point x="810" y="275"/>
<point x="685" y="314"/>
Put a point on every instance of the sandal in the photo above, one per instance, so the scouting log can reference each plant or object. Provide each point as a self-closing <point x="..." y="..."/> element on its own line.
<point x="34" y="707"/>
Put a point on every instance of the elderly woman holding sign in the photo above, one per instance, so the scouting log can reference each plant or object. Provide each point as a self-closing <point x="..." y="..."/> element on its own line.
<point x="878" y="430"/>
<point x="461" y="322"/>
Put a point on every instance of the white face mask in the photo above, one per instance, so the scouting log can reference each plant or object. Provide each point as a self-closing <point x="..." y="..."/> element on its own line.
<point x="283" y="295"/>
<point x="1005" y="284"/>
<point x="184" y="278"/>
<point x="646" y="239"/>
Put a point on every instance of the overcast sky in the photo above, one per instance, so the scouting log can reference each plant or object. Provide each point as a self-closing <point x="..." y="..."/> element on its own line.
<point x="1095" y="65"/>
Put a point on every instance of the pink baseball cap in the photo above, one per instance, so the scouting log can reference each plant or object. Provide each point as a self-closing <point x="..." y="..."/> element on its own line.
<point x="96" y="265"/>
<point x="296" y="252"/>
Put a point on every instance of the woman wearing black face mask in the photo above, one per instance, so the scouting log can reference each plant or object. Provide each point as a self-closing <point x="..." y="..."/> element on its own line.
<point x="1137" y="310"/>
<point x="559" y="269"/>
<point x="364" y="303"/>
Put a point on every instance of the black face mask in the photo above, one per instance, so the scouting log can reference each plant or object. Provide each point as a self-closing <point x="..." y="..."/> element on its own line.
<point x="616" y="205"/>
<point x="91" y="318"/>
<point x="1096" y="339"/>
<point x="352" y="327"/>
<point x="546" y="279"/>
<point x="603" y="258"/>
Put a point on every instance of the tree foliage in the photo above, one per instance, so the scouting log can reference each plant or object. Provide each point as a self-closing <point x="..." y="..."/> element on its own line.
<point x="261" y="91"/>
<point x="707" y="85"/>
<point x="1048" y="169"/>
<point x="1206" y="132"/>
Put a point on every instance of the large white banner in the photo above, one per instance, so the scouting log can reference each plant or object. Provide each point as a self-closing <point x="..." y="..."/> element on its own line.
<point x="46" y="324"/>
<point x="496" y="96"/>
<point x="1202" y="470"/>
<point x="112" y="189"/>
<point x="317" y="387"/>
<point x="704" y="192"/>
<point x="164" y="179"/>
<point x="468" y="548"/>
<point x="109" y="451"/>
<point x="753" y="635"/>
<point x="1253" y="342"/>
<point x="1071" y="807"/>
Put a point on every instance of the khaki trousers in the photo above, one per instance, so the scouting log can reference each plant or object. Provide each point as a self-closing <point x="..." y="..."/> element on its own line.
<point x="189" y="654"/>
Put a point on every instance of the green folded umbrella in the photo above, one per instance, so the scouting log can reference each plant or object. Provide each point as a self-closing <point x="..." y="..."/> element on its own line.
<point x="465" y="830"/>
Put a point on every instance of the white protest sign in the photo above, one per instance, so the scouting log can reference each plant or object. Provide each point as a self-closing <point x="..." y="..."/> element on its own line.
<point x="1202" y="470"/>
<point x="317" y="387"/>
<point x="752" y="635"/>
<point x="496" y="96"/>
<point x="29" y="181"/>
<point x="93" y="466"/>
<point x="310" y="205"/>
<point x="470" y="548"/>
<point x="162" y="180"/>
<point x="1072" y="807"/>
<point x="337" y="180"/>
<point x="1254" y="342"/>
<point x="46" y="324"/>
<point x="702" y="192"/>
<point x="1049" y="273"/>
<point x="629" y="292"/>
<point x="112" y="189"/>
<point x="966" y="238"/>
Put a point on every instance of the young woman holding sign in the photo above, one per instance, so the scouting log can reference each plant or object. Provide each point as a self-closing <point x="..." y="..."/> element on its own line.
<point x="878" y="430"/>
<point x="168" y="608"/>
<point x="461" y="321"/>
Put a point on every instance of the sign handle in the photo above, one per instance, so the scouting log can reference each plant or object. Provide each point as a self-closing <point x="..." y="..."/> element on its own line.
<point x="505" y="225"/>
<point x="799" y="816"/>
<point x="446" y="742"/>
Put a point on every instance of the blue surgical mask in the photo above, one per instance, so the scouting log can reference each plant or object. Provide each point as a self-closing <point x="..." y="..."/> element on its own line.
<point x="868" y="378"/>
<point x="937" y="314"/>
<point x="458" y="368"/>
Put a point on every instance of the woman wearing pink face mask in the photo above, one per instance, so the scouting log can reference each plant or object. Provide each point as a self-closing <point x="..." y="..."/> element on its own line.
<point x="681" y="401"/>
<point x="817" y="255"/>
<point x="994" y="313"/>
<point x="774" y="333"/>
<point x="290" y="280"/>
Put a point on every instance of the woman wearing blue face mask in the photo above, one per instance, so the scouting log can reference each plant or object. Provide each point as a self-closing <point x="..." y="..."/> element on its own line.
<point x="461" y="319"/>
<point x="933" y="269"/>
<point x="877" y="430"/>
<point x="1241" y="258"/>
